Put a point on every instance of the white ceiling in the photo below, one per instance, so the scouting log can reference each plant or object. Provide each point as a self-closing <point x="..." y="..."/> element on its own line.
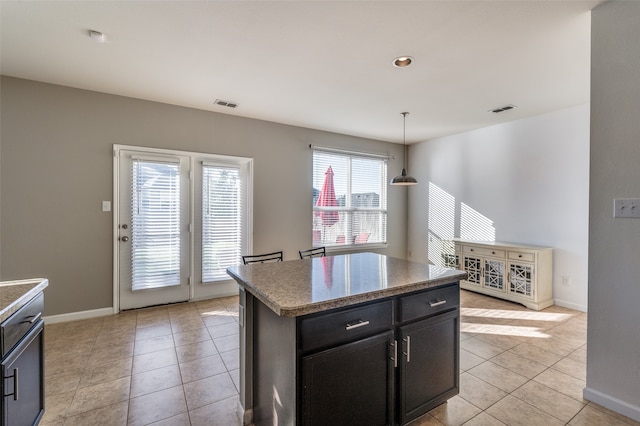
<point x="317" y="64"/>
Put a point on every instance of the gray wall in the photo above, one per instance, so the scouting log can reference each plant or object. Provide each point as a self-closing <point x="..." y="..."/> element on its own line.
<point x="527" y="181"/>
<point x="613" y="348"/>
<point x="56" y="168"/>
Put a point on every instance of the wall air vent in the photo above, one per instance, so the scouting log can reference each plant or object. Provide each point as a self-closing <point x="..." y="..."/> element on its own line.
<point x="227" y="104"/>
<point x="502" y="109"/>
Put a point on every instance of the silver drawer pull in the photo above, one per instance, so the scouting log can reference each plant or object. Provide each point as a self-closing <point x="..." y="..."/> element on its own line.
<point x="408" y="352"/>
<point x="35" y="318"/>
<point x="437" y="303"/>
<point x="360" y="323"/>
<point x="395" y="353"/>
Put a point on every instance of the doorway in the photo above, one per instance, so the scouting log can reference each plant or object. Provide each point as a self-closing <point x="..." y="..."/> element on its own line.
<point x="172" y="211"/>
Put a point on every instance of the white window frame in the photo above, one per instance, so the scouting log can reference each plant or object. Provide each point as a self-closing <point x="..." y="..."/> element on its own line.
<point x="350" y="209"/>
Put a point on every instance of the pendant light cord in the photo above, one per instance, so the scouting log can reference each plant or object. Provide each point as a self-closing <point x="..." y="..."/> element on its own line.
<point x="404" y="139"/>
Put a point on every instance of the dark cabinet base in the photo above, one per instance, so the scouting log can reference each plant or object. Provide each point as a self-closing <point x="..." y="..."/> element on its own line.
<point x="385" y="362"/>
<point x="364" y="399"/>
<point x="23" y="385"/>
<point x="429" y="374"/>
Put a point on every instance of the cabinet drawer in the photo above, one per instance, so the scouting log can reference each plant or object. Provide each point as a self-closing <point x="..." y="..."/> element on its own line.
<point x="519" y="255"/>
<point x="483" y="251"/>
<point x="18" y="324"/>
<point x="429" y="302"/>
<point x="333" y="328"/>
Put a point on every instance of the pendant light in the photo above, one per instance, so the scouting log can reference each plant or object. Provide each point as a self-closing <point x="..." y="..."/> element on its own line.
<point x="403" y="179"/>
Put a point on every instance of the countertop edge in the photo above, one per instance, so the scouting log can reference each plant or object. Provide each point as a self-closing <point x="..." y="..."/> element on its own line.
<point x="39" y="284"/>
<point x="296" y="311"/>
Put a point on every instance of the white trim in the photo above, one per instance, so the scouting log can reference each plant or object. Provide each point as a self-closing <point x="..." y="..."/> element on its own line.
<point x="74" y="316"/>
<point x="574" y="306"/>
<point x="607" y="401"/>
<point x="144" y="149"/>
<point x="115" y="214"/>
<point x="192" y="221"/>
<point x="216" y="296"/>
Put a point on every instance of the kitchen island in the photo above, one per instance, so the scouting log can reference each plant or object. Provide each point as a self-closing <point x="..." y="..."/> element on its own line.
<point x="350" y="339"/>
<point x="22" y="351"/>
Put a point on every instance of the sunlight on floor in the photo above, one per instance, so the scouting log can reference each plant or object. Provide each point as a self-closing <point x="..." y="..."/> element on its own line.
<point x="503" y="330"/>
<point x="523" y="315"/>
<point x="468" y="326"/>
<point x="219" y="313"/>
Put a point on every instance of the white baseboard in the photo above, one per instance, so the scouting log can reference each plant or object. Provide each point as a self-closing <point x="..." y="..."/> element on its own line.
<point x="73" y="316"/>
<point x="218" y="295"/>
<point x="614" y="404"/>
<point x="570" y="305"/>
<point x="95" y="313"/>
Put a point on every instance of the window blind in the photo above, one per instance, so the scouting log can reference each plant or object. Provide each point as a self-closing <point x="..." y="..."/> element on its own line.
<point x="221" y="220"/>
<point x="155" y="226"/>
<point x="355" y="211"/>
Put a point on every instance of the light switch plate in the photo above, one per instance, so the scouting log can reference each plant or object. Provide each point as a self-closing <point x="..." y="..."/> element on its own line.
<point x="106" y="206"/>
<point x="626" y="207"/>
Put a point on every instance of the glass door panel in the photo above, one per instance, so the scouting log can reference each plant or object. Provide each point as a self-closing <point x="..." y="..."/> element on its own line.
<point x="153" y="240"/>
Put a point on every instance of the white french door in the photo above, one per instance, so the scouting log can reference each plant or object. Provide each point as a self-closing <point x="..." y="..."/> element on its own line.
<point x="153" y="235"/>
<point x="180" y="220"/>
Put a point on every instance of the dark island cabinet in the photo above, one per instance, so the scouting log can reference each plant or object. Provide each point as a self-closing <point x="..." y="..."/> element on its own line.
<point x="428" y="373"/>
<point x="22" y="365"/>
<point x="365" y="399"/>
<point x="384" y="362"/>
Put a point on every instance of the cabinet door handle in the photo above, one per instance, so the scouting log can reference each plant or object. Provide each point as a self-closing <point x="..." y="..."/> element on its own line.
<point x="408" y="352"/>
<point x="394" y="358"/>
<point x="35" y="318"/>
<point x="360" y="323"/>
<point x="15" y="385"/>
<point x="437" y="303"/>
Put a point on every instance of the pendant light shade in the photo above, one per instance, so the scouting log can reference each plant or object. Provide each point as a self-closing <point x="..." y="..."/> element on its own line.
<point x="404" y="179"/>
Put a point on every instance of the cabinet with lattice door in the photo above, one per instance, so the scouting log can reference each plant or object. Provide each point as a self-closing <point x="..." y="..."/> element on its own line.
<point x="515" y="272"/>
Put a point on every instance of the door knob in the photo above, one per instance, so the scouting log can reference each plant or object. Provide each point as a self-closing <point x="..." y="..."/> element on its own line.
<point x="124" y="239"/>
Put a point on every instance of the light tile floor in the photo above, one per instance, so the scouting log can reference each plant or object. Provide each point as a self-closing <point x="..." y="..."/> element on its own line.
<point x="178" y="365"/>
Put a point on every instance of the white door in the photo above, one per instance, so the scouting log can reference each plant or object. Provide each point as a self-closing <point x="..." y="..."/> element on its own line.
<point x="153" y="228"/>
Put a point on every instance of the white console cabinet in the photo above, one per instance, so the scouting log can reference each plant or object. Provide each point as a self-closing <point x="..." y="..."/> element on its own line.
<point x="516" y="272"/>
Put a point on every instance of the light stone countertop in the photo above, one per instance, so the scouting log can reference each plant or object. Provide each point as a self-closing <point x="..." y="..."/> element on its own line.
<point x="300" y="287"/>
<point x="16" y="294"/>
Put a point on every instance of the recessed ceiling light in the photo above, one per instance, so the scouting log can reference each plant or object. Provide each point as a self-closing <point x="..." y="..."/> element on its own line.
<point x="96" y="36"/>
<point x="402" y="61"/>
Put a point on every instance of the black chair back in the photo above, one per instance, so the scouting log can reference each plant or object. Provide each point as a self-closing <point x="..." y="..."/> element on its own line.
<point x="314" y="252"/>
<point x="276" y="256"/>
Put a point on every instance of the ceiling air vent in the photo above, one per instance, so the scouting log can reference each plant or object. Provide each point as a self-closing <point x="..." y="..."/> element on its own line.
<point x="502" y="109"/>
<point x="227" y="104"/>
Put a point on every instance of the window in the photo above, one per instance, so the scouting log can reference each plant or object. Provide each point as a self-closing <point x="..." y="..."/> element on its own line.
<point x="155" y="224"/>
<point x="349" y="199"/>
<point x="221" y="220"/>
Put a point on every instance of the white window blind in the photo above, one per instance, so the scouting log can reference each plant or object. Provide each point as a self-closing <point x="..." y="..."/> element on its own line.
<point x="155" y="226"/>
<point x="221" y="220"/>
<point x="356" y="211"/>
